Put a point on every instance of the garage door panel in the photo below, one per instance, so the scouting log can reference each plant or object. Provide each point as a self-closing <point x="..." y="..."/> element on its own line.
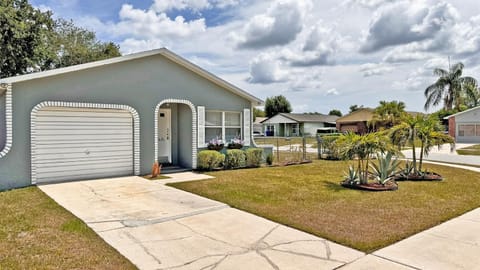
<point x="84" y="150"/>
<point x="83" y="166"/>
<point x="59" y="156"/>
<point x="79" y="176"/>
<point x="84" y="137"/>
<point x="72" y="144"/>
<point x="99" y="131"/>
<point x="69" y="145"/>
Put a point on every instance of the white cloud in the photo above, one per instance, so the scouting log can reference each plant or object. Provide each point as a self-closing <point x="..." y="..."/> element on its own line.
<point x="265" y="68"/>
<point x="166" y="5"/>
<point x="371" y="4"/>
<point x="373" y="69"/>
<point x="280" y="25"/>
<point x="146" y="24"/>
<point x="332" y="92"/>
<point x="406" y="22"/>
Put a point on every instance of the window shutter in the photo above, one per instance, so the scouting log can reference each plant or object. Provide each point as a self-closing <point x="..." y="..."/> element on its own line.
<point x="246" y="126"/>
<point x="201" y="126"/>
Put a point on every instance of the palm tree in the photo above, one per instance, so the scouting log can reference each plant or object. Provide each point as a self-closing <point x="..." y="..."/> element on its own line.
<point x="362" y="147"/>
<point x="426" y="130"/>
<point x="430" y="135"/>
<point x="406" y="133"/>
<point x="388" y="113"/>
<point x="471" y="95"/>
<point x="448" y="87"/>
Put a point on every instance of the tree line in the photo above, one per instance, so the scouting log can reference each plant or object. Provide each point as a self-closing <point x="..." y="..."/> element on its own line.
<point x="32" y="40"/>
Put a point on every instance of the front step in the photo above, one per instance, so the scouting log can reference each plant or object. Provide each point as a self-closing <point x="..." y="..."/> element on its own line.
<point x="174" y="169"/>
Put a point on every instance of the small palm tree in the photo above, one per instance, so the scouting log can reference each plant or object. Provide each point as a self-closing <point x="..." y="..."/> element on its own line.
<point x="448" y="87"/>
<point x="406" y="133"/>
<point x="362" y="147"/>
<point x="430" y="135"/>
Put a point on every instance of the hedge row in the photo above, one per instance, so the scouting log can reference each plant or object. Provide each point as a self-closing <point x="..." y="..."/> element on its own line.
<point x="235" y="158"/>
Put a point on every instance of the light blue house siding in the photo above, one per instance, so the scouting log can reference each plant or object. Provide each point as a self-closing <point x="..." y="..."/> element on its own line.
<point x="141" y="84"/>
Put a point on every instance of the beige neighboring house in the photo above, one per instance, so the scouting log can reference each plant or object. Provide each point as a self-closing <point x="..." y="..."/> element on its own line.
<point x="356" y="121"/>
<point x="465" y="126"/>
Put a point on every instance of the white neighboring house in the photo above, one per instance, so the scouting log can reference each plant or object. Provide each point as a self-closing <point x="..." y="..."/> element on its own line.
<point x="465" y="126"/>
<point x="298" y="124"/>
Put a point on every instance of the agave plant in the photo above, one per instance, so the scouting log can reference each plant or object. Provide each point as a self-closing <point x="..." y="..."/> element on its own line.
<point x="352" y="176"/>
<point x="386" y="167"/>
<point x="407" y="171"/>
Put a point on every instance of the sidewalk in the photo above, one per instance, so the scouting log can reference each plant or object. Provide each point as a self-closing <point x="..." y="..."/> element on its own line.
<point x="445" y="155"/>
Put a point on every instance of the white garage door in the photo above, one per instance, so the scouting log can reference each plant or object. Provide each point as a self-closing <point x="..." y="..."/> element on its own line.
<point x="73" y="144"/>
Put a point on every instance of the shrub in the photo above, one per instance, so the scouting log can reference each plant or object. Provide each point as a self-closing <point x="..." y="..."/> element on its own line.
<point x="210" y="159"/>
<point x="269" y="159"/>
<point x="254" y="157"/>
<point x="235" y="158"/>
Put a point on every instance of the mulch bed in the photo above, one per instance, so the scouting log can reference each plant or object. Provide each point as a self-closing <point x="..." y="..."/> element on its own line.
<point x="389" y="186"/>
<point x="429" y="176"/>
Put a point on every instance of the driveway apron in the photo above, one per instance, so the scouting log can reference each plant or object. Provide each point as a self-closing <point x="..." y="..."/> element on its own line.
<point x="159" y="227"/>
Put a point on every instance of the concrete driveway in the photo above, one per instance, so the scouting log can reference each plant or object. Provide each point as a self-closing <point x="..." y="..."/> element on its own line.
<point x="158" y="227"/>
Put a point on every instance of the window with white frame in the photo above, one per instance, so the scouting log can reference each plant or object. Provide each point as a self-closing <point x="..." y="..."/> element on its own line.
<point x="223" y="125"/>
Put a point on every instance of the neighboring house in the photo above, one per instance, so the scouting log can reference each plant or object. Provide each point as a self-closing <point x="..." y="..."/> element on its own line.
<point x="356" y="121"/>
<point x="257" y="125"/>
<point x="115" y="117"/>
<point x="465" y="126"/>
<point x="297" y="124"/>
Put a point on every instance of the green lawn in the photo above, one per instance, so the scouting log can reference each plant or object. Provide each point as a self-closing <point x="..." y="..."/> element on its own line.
<point x="309" y="197"/>
<point x="471" y="150"/>
<point x="37" y="233"/>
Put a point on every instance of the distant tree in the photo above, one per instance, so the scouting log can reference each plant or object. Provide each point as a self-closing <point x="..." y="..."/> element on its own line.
<point x="448" y="87"/>
<point x="277" y="104"/>
<point x="335" y="112"/>
<point x="30" y="41"/>
<point x="388" y="113"/>
<point x="355" y="107"/>
<point x="75" y="45"/>
<point x="258" y="113"/>
<point x="25" y="34"/>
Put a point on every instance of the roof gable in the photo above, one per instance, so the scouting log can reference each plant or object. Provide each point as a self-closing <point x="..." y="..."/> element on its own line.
<point x="360" y="115"/>
<point x="301" y="118"/>
<point x="162" y="51"/>
<point x="464" y="112"/>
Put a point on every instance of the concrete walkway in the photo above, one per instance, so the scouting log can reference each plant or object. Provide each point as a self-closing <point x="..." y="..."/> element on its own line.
<point x="159" y="227"/>
<point x="444" y="154"/>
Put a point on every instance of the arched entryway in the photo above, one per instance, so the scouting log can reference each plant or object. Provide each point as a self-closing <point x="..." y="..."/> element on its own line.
<point x="176" y="133"/>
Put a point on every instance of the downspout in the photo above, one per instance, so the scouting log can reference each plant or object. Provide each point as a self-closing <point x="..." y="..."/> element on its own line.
<point x="8" y="118"/>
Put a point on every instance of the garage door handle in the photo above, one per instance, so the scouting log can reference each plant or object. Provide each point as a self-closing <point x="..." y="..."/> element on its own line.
<point x="87" y="152"/>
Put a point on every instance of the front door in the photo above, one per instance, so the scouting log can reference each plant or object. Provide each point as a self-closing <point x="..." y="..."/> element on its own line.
<point x="164" y="136"/>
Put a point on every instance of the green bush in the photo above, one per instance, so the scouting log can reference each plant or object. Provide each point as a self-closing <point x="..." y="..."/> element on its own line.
<point x="210" y="159"/>
<point x="254" y="157"/>
<point x="269" y="159"/>
<point x="235" y="158"/>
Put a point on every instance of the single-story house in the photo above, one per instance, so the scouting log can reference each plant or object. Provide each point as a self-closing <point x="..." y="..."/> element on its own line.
<point x="356" y="121"/>
<point x="257" y="125"/>
<point x="465" y="126"/>
<point x="298" y="124"/>
<point x="115" y="117"/>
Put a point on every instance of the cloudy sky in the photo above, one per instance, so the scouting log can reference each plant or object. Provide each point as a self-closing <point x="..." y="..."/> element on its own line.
<point x="321" y="55"/>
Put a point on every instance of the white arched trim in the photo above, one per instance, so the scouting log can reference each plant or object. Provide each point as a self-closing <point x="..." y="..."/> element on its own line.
<point x="8" y="119"/>
<point x="194" y="127"/>
<point x="136" y="128"/>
